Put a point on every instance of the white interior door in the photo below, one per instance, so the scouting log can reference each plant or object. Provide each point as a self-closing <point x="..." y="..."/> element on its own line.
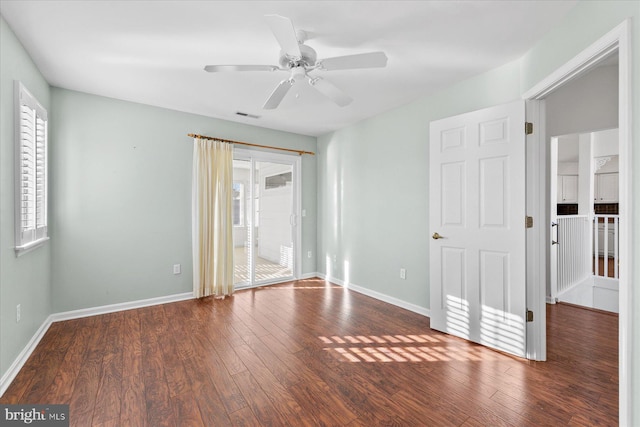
<point x="477" y="218"/>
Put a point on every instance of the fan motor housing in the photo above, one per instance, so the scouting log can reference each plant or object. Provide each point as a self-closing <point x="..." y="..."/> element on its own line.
<point x="308" y="58"/>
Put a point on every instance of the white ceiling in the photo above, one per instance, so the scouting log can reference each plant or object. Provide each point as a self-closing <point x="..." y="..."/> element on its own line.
<point x="153" y="52"/>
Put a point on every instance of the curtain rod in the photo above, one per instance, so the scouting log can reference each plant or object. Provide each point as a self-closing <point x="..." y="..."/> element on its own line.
<point x="300" y="152"/>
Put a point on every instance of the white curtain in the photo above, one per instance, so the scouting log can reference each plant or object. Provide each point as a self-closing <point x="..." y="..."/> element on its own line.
<point x="212" y="222"/>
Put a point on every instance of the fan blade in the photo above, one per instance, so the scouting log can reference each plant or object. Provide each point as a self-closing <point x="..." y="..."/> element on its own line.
<point x="219" y="68"/>
<point x="278" y="94"/>
<point x="330" y="91"/>
<point x="283" y="29"/>
<point x="361" y="60"/>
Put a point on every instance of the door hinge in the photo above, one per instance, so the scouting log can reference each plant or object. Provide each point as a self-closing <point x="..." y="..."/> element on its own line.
<point x="529" y="316"/>
<point x="528" y="128"/>
<point x="528" y="222"/>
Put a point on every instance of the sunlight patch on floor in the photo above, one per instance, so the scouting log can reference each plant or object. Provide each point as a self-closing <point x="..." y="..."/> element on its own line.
<point x="402" y="348"/>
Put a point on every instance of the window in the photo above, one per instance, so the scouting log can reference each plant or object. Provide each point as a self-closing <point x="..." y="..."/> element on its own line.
<point x="238" y="204"/>
<point x="30" y="171"/>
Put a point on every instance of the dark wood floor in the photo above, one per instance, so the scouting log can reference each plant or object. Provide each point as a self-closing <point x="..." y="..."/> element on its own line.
<point x="311" y="353"/>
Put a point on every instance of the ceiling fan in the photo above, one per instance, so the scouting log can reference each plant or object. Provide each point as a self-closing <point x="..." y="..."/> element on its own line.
<point x="299" y="60"/>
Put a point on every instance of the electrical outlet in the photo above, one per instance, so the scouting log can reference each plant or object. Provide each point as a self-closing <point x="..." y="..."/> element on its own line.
<point x="18" y="313"/>
<point x="304" y="212"/>
<point x="403" y="273"/>
<point x="176" y="269"/>
<point x="309" y="254"/>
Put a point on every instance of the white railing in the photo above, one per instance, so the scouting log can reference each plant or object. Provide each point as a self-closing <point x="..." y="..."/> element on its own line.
<point x="574" y="255"/>
<point x="605" y="245"/>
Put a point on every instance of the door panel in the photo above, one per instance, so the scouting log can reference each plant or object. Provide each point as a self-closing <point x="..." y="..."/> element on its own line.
<point x="494" y="275"/>
<point x="265" y="212"/>
<point x="477" y="206"/>
<point x="274" y="229"/>
<point x="242" y="220"/>
<point x="453" y="194"/>
<point x="494" y="206"/>
<point x="453" y="274"/>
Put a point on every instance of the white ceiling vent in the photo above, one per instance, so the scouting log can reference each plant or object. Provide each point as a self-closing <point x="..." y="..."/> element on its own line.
<point x="251" y="116"/>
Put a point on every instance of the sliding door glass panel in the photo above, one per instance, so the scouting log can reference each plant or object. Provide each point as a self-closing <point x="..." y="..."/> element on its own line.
<point x="242" y="220"/>
<point x="265" y="207"/>
<point x="273" y="221"/>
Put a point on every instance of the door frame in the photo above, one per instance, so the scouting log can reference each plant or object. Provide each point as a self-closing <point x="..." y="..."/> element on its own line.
<point x="252" y="156"/>
<point x="618" y="39"/>
<point x="553" y="218"/>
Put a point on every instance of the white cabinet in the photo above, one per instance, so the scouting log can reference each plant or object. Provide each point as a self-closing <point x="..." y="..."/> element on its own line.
<point x="606" y="188"/>
<point x="567" y="188"/>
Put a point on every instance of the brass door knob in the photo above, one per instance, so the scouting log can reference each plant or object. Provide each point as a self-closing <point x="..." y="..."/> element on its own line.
<point x="436" y="236"/>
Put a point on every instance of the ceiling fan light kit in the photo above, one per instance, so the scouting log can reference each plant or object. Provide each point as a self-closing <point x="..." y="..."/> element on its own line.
<point x="299" y="60"/>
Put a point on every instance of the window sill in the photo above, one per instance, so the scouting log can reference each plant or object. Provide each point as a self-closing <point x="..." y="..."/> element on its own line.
<point x="21" y="250"/>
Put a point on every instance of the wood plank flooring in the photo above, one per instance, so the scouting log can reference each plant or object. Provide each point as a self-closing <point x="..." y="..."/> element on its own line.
<point x="309" y="353"/>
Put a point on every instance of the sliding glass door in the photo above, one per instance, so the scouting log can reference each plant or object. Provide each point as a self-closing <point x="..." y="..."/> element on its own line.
<point x="266" y="205"/>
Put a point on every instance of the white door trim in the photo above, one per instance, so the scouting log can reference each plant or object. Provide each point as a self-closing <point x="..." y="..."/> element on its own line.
<point x="553" y="216"/>
<point x="617" y="39"/>
<point x="536" y="236"/>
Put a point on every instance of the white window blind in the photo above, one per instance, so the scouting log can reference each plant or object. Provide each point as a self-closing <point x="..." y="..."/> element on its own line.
<point x="31" y="171"/>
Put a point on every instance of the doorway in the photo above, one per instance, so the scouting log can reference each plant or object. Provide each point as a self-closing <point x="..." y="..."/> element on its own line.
<point x="265" y="211"/>
<point x="617" y="40"/>
<point x="585" y="220"/>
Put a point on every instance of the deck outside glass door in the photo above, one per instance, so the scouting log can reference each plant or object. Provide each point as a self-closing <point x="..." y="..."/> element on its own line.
<point x="265" y="217"/>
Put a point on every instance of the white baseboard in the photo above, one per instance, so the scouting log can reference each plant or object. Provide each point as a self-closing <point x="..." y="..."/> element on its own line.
<point x="379" y="296"/>
<point x="334" y="280"/>
<point x="19" y="362"/>
<point x="112" y="308"/>
<point x="391" y="300"/>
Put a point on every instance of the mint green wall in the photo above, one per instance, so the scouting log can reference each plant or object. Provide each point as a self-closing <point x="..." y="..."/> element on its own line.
<point x="373" y="189"/>
<point x="24" y="280"/>
<point x="373" y="176"/>
<point x="584" y="25"/>
<point x="120" y="185"/>
<point x="121" y="191"/>
<point x="120" y="201"/>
